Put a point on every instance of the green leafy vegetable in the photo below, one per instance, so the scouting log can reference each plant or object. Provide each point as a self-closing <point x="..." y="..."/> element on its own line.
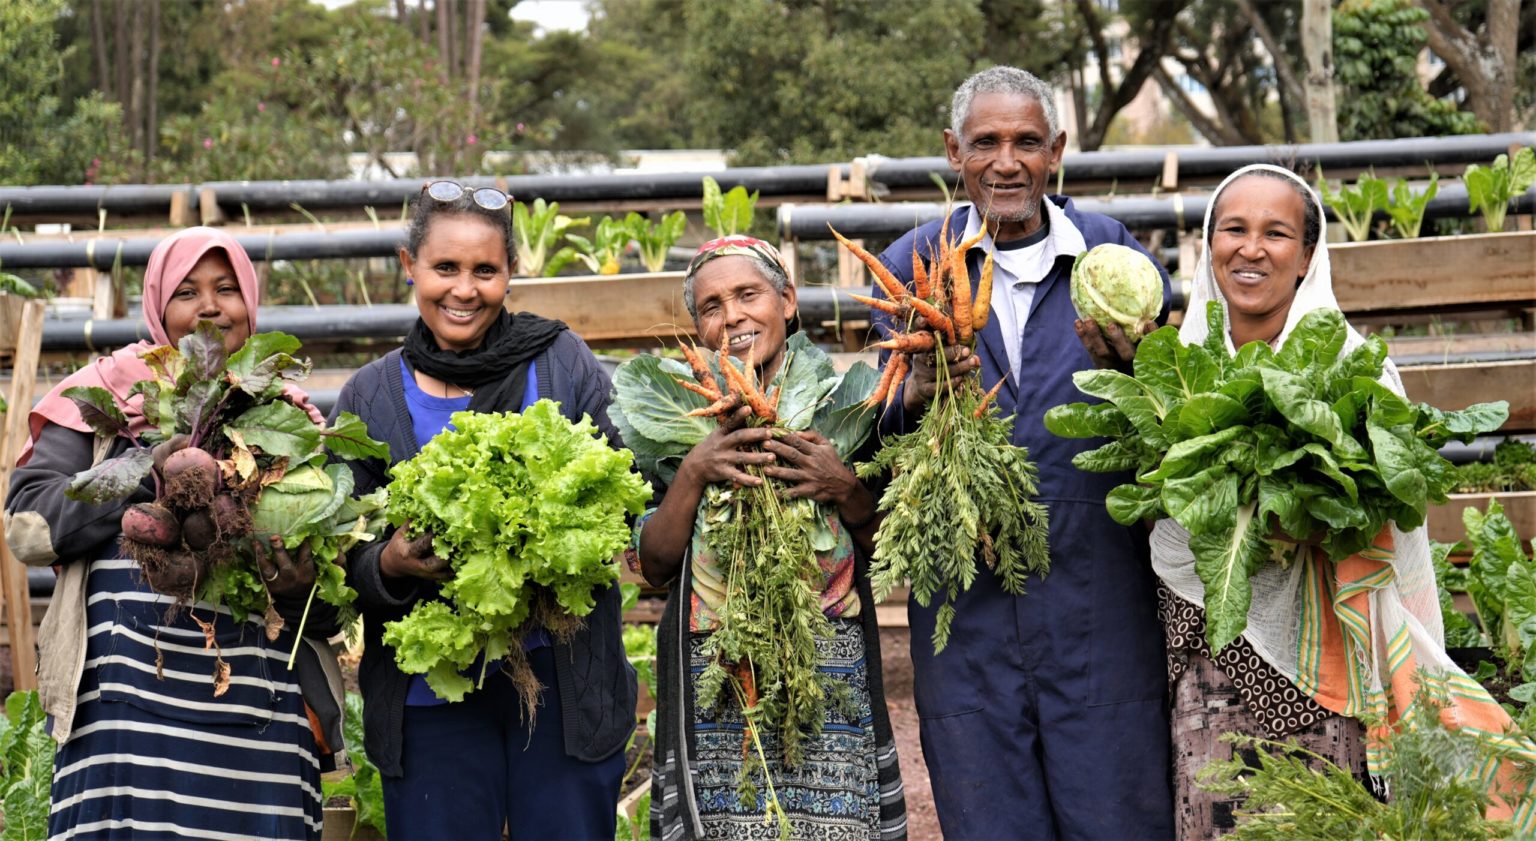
<point x="1356" y="206"/>
<point x="602" y="252"/>
<point x="656" y="238"/>
<point x="1513" y="468"/>
<point x="730" y="213"/>
<point x="1406" y="208"/>
<point x="26" y="750"/>
<point x="1239" y="450"/>
<point x="538" y="228"/>
<point x="1460" y="631"/>
<point x="530" y="510"/>
<point x="364" y="786"/>
<point x="1491" y="188"/>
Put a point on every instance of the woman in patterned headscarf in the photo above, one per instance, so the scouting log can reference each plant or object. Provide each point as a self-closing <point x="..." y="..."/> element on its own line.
<point x="849" y="785"/>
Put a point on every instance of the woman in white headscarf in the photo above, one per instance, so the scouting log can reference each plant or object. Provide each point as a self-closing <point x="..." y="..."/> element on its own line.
<point x="1265" y="262"/>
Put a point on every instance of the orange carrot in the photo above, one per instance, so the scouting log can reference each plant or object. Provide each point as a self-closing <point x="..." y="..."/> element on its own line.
<point x="700" y="367"/>
<point x="961" y="305"/>
<point x="717" y="409"/>
<point x="887" y="381"/>
<point x="749" y="392"/>
<point x="887" y="281"/>
<point x="702" y="391"/>
<point x="982" y="306"/>
<point x="897" y="309"/>
<point x="773" y="402"/>
<point x="909" y="342"/>
<point x="920" y="276"/>
<point x="749" y="694"/>
<point x="935" y="317"/>
<point x="981" y="408"/>
<point x="902" y="363"/>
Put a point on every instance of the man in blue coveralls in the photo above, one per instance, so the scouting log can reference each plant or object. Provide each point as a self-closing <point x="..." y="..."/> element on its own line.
<point x="1045" y="717"/>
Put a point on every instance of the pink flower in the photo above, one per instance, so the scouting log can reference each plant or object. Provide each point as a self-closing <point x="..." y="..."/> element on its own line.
<point x="521" y="128"/>
<point x="207" y="143"/>
<point x="261" y="106"/>
<point x="471" y="140"/>
<point x="276" y="61"/>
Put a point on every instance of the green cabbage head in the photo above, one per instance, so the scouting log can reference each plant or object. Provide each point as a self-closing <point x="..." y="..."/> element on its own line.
<point x="1117" y="284"/>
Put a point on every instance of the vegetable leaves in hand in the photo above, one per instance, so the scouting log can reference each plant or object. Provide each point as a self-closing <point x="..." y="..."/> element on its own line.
<point x="1238" y="449"/>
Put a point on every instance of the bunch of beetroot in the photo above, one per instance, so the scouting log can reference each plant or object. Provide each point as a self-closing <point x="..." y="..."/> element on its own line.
<point x="196" y="522"/>
<point x="233" y="462"/>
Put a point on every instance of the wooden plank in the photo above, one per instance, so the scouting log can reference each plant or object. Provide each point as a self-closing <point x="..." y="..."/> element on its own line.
<point x="1435" y="272"/>
<point x="1461" y="345"/>
<point x="13" y="576"/>
<point x="607" y="307"/>
<point x="208" y="207"/>
<point x="1445" y="525"/>
<point x="1459" y="386"/>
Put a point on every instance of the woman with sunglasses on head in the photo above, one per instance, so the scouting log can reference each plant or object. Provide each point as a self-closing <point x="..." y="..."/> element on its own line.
<point x="148" y="747"/>
<point x="461" y="771"/>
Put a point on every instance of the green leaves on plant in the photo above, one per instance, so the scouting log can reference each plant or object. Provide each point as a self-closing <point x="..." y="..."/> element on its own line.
<point x="655" y="238"/>
<point x="1305" y="440"/>
<point x="111" y="479"/>
<point x="1356" y="206"/>
<point x="364" y="787"/>
<point x="1490" y="188"/>
<point x="538" y="228"/>
<point x="1406" y="208"/>
<point x="26" y="750"/>
<point x="730" y="213"/>
<point x="601" y="253"/>
<point x="98" y="410"/>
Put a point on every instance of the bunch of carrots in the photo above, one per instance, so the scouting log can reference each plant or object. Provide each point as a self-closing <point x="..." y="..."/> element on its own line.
<point x="960" y="493"/>
<point x="947" y="308"/>
<point x="764" y="647"/>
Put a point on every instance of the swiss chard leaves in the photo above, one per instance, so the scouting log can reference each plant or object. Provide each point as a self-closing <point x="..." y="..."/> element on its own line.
<point x="1303" y="441"/>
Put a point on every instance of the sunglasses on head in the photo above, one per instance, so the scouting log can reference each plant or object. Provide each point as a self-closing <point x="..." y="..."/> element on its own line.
<point x="489" y="198"/>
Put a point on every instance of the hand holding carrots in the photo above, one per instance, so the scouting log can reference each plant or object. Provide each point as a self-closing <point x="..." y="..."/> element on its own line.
<point x="1109" y="348"/>
<point x="923" y="378"/>
<point x="809" y="465"/>
<point x="725" y="454"/>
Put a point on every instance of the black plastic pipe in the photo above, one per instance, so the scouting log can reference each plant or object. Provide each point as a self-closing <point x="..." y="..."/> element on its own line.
<point x="809" y="179"/>
<point x="1186" y="212"/>
<point x="1217" y="161"/>
<point x="101" y="253"/>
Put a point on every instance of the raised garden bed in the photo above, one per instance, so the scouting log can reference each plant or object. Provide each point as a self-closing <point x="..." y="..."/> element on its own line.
<point x="1445" y="520"/>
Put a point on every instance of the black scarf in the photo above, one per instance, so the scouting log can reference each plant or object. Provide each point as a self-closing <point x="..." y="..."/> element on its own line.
<point x="497" y="370"/>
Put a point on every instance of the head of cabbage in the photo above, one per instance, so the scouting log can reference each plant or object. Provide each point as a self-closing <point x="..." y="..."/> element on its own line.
<point x="1116" y="284"/>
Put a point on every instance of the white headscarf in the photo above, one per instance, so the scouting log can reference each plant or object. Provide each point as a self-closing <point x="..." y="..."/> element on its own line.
<point x="1274" y="617"/>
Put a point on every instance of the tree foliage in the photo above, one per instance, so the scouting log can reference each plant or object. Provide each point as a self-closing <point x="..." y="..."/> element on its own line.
<point x="1376" y="46"/>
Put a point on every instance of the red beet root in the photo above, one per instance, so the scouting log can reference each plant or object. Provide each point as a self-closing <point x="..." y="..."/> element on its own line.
<point x="191" y="477"/>
<point x="151" y="523"/>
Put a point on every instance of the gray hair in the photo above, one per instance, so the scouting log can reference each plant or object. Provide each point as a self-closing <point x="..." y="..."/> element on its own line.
<point x="1004" y="79"/>
<point x="771" y="272"/>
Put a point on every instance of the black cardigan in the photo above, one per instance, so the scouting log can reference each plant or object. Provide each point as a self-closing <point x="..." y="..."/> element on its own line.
<point x="593" y="676"/>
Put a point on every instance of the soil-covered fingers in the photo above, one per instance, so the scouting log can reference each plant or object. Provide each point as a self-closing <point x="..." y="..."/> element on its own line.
<point x="923" y="379"/>
<point x="285" y="573"/>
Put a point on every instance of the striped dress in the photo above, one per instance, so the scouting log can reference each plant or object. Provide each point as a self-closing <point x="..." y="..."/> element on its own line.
<point x="153" y="754"/>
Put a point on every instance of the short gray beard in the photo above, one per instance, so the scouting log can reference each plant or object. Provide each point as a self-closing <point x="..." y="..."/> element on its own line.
<point x="1023" y="214"/>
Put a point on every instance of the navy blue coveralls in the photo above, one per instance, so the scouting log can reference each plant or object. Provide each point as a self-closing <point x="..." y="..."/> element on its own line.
<point x="1045" y="717"/>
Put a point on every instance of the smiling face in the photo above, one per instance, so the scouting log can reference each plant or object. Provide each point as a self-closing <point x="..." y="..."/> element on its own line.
<point x="460" y="270"/>
<point x="1257" y="253"/>
<point x="1005" y="156"/>
<point x="209" y="292"/>
<point x="736" y="302"/>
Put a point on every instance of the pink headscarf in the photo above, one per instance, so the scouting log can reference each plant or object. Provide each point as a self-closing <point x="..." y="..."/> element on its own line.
<point x="169" y="265"/>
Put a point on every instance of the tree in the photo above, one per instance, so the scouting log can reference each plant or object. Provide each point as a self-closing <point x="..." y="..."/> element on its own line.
<point x="1317" y="45"/>
<point x="1220" y="46"/>
<point x="1377" y="44"/>
<point x="1483" y="55"/>
<point x="1156" y="20"/>
<point x="42" y="142"/>
<point x="803" y="81"/>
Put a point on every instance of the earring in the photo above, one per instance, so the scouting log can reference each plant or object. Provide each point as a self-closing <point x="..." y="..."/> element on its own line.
<point x="409" y="282"/>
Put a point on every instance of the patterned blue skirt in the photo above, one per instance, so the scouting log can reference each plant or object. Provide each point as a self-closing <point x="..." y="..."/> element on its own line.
<point x="154" y="754"/>
<point x="834" y="795"/>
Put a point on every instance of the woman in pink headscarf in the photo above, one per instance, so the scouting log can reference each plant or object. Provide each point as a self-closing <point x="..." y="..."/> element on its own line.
<point x="145" y="745"/>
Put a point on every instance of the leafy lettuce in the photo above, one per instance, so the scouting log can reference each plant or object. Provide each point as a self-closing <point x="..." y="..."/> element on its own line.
<point x="1301" y="441"/>
<point x="519" y="504"/>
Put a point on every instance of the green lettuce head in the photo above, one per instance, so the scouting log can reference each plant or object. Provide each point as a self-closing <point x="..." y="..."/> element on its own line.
<point x="1117" y="284"/>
